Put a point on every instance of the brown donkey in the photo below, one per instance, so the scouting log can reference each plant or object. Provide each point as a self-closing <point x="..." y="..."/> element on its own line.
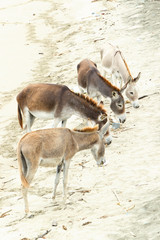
<point x="55" y="147"/>
<point x="89" y="78"/>
<point x="115" y="65"/>
<point x="58" y="102"/>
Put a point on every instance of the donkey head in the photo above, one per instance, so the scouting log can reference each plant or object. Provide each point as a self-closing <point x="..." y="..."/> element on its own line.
<point x="118" y="105"/>
<point x="131" y="91"/>
<point x="98" y="150"/>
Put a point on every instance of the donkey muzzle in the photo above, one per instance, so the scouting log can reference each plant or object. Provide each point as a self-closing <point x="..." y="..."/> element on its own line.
<point x="122" y="118"/>
<point x="108" y="140"/>
<point x="135" y="104"/>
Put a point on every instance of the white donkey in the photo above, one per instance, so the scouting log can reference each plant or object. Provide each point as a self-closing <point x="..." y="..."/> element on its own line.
<point x="56" y="147"/>
<point x="115" y="65"/>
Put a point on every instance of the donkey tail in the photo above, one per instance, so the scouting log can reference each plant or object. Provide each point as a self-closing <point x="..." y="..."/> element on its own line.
<point x="20" y="119"/>
<point x="22" y="167"/>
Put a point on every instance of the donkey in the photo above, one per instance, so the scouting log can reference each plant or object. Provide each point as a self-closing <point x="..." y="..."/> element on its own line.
<point x="89" y="78"/>
<point x="115" y="65"/>
<point x="57" y="102"/>
<point x="56" y="147"/>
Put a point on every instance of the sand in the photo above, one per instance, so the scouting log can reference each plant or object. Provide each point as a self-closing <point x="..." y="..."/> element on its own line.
<point x="43" y="41"/>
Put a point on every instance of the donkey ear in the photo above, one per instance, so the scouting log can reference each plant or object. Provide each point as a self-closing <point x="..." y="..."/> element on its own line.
<point x="126" y="84"/>
<point x="138" y="77"/>
<point x="78" y="66"/>
<point x="114" y="94"/>
<point x="95" y="65"/>
<point x="130" y="79"/>
<point x="104" y="129"/>
<point x="102" y="117"/>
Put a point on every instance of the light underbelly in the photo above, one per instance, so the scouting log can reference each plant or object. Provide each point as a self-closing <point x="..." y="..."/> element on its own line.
<point x="50" y="162"/>
<point x="43" y="114"/>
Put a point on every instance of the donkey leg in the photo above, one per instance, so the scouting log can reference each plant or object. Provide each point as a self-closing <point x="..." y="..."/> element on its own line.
<point x="64" y="122"/>
<point x="29" y="120"/>
<point x="121" y="82"/>
<point x="56" y="121"/>
<point x="99" y="98"/>
<point x="58" y="172"/>
<point x="113" y="78"/>
<point x="25" y="191"/>
<point x="31" y="170"/>
<point x="65" y="178"/>
<point x="25" y="197"/>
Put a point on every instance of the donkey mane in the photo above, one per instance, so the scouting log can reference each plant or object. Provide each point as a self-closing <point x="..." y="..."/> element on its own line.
<point x="127" y="68"/>
<point x="91" y="101"/>
<point x="108" y="82"/>
<point x="87" y="129"/>
<point x="125" y="63"/>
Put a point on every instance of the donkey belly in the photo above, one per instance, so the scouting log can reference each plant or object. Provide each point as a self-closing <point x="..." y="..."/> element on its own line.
<point x="43" y="114"/>
<point x="50" y="162"/>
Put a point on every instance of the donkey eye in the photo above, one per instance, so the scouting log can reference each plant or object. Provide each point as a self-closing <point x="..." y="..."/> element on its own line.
<point x="120" y="105"/>
<point x="131" y="93"/>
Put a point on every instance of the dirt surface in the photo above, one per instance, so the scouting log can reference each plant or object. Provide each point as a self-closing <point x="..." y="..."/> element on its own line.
<point x="43" y="41"/>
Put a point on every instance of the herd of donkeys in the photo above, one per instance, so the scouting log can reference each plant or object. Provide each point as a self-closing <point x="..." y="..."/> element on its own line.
<point x="56" y="146"/>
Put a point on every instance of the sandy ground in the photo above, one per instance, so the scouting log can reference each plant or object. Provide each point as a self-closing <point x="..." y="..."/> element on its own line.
<point x="43" y="41"/>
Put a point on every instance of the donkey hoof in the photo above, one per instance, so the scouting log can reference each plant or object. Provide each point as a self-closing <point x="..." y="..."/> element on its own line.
<point x="53" y="197"/>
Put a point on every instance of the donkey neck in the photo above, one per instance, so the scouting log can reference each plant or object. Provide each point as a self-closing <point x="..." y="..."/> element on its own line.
<point x="85" y="140"/>
<point x="105" y="87"/>
<point x="84" y="107"/>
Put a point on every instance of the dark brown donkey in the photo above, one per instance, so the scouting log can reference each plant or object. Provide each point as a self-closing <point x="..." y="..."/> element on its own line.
<point x="89" y="78"/>
<point x="58" y="102"/>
